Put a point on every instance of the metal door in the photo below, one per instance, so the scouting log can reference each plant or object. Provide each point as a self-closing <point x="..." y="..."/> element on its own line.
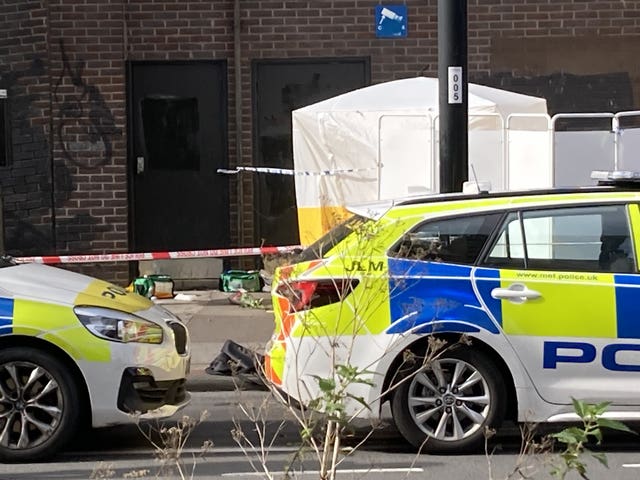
<point x="178" y="124"/>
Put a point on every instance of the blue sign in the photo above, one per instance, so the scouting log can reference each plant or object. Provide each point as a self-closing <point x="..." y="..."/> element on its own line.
<point x="391" y="21"/>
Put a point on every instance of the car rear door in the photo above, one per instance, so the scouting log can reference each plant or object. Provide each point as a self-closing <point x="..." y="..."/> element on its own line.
<point x="430" y="287"/>
<point x="561" y="282"/>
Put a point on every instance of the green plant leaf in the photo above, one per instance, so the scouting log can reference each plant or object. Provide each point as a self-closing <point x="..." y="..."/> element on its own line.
<point x="346" y="371"/>
<point x="333" y="408"/>
<point x="360" y="400"/>
<point x="614" y="425"/>
<point x="365" y="381"/>
<point x="600" y="408"/>
<point x="350" y="374"/>
<point x="602" y="458"/>
<point x="326" y="385"/>
<point x="579" y="407"/>
<point x="306" y="433"/>
<point x="570" y="436"/>
<point x="557" y="472"/>
<point x="597" y="433"/>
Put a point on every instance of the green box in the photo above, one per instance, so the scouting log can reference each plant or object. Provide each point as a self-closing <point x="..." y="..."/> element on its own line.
<point x="158" y="286"/>
<point x="234" y="280"/>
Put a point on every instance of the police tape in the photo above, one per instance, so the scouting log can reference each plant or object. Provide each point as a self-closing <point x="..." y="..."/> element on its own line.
<point x="286" y="171"/>
<point x="126" y="257"/>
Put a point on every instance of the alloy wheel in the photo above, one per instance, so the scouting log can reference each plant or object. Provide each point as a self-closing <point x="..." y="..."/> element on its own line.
<point x="31" y="405"/>
<point x="449" y="400"/>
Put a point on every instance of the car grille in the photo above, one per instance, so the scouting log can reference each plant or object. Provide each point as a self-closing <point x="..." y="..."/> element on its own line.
<point x="141" y="393"/>
<point x="161" y="393"/>
<point x="181" y="337"/>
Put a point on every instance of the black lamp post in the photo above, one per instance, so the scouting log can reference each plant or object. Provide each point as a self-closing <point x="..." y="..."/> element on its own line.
<point x="453" y="94"/>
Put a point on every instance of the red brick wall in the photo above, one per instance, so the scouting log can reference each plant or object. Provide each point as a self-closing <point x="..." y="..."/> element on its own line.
<point x="87" y="72"/>
<point x="99" y="36"/>
<point x="25" y="183"/>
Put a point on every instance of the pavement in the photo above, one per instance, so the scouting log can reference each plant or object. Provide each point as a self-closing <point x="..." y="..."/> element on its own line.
<point x="211" y="319"/>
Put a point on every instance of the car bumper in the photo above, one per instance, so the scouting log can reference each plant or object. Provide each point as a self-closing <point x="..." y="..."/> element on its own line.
<point x="139" y="381"/>
<point x="304" y="360"/>
<point x="166" y="410"/>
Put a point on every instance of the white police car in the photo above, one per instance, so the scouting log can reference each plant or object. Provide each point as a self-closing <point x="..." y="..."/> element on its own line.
<point x="75" y="350"/>
<point x="544" y="286"/>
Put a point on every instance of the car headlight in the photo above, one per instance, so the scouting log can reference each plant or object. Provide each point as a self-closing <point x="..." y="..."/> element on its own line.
<point x="118" y="326"/>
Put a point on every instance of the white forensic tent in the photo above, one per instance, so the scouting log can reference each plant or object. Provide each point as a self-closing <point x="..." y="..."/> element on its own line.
<point x="380" y="142"/>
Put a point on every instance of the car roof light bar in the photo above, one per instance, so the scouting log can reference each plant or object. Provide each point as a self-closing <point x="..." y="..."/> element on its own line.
<point x="613" y="176"/>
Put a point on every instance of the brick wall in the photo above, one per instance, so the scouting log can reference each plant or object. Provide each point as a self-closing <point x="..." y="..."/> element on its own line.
<point x="64" y="63"/>
<point x="25" y="183"/>
<point x="87" y="71"/>
<point x="574" y="53"/>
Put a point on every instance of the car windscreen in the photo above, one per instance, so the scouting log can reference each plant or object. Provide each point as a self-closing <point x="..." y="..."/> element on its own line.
<point x="330" y="239"/>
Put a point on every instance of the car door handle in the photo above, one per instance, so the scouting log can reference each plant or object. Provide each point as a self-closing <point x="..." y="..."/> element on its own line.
<point x="517" y="293"/>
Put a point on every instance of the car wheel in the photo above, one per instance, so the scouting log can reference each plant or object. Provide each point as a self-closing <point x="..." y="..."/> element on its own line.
<point x="446" y="407"/>
<point x="39" y="406"/>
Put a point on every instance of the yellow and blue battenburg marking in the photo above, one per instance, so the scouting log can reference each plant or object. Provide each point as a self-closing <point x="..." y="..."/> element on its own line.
<point x="426" y="297"/>
<point x="627" y="289"/>
<point x="6" y="315"/>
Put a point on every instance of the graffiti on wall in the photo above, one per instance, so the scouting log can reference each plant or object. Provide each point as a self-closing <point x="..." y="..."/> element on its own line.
<point x="85" y="126"/>
<point x="85" y="129"/>
<point x="33" y="187"/>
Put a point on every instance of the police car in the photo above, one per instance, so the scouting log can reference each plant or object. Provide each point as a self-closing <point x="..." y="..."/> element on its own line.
<point x="533" y="298"/>
<point x="78" y="351"/>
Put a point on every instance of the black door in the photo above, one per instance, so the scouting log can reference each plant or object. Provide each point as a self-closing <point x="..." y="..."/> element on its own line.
<point x="177" y="140"/>
<point x="280" y="86"/>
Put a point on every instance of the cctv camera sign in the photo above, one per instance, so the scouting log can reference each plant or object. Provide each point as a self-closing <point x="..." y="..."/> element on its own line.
<point x="391" y="21"/>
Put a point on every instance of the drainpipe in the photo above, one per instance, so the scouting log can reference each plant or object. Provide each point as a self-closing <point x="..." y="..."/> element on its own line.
<point x="238" y="115"/>
<point x="52" y="166"/>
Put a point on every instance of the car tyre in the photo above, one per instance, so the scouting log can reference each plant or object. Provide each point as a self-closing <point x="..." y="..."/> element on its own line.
<point x="39" y="404"/>
<point x="447" y="406"/>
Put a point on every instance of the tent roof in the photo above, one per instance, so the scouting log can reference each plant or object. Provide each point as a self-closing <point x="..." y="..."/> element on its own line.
<point x="420" y="94"/>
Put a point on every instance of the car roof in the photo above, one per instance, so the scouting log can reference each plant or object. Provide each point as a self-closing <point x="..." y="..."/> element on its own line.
<point x="443" y="197"/>
<point x="375" y="210"/>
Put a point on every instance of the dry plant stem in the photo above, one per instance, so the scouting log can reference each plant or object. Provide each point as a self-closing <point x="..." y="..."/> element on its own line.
<point x="262" y="448"/>
<point x="333" y="434"/>
<point x="336" y="448"/>
<point x="356" y="447"/>
<point x="246" y="453"/>
<point x="193" y="466"/>
<point x="528" y="461"/>
<point x="527" y="448"/>
<point x="325" y="451"/>
<point x="304" y="420"/>
<point x="432" y="353"/>
<point x="173" y="440"/>
<point x="414" y="461"/>
<point x="488" y="455"/>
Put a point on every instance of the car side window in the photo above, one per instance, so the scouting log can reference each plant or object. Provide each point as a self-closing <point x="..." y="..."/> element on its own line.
<point x="451" y="240"/>
<point x="508" y="250"/>
<point x="593" y="239"/>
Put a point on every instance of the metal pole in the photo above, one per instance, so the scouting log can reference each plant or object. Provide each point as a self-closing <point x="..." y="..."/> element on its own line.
<point x="453" y="93"/>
